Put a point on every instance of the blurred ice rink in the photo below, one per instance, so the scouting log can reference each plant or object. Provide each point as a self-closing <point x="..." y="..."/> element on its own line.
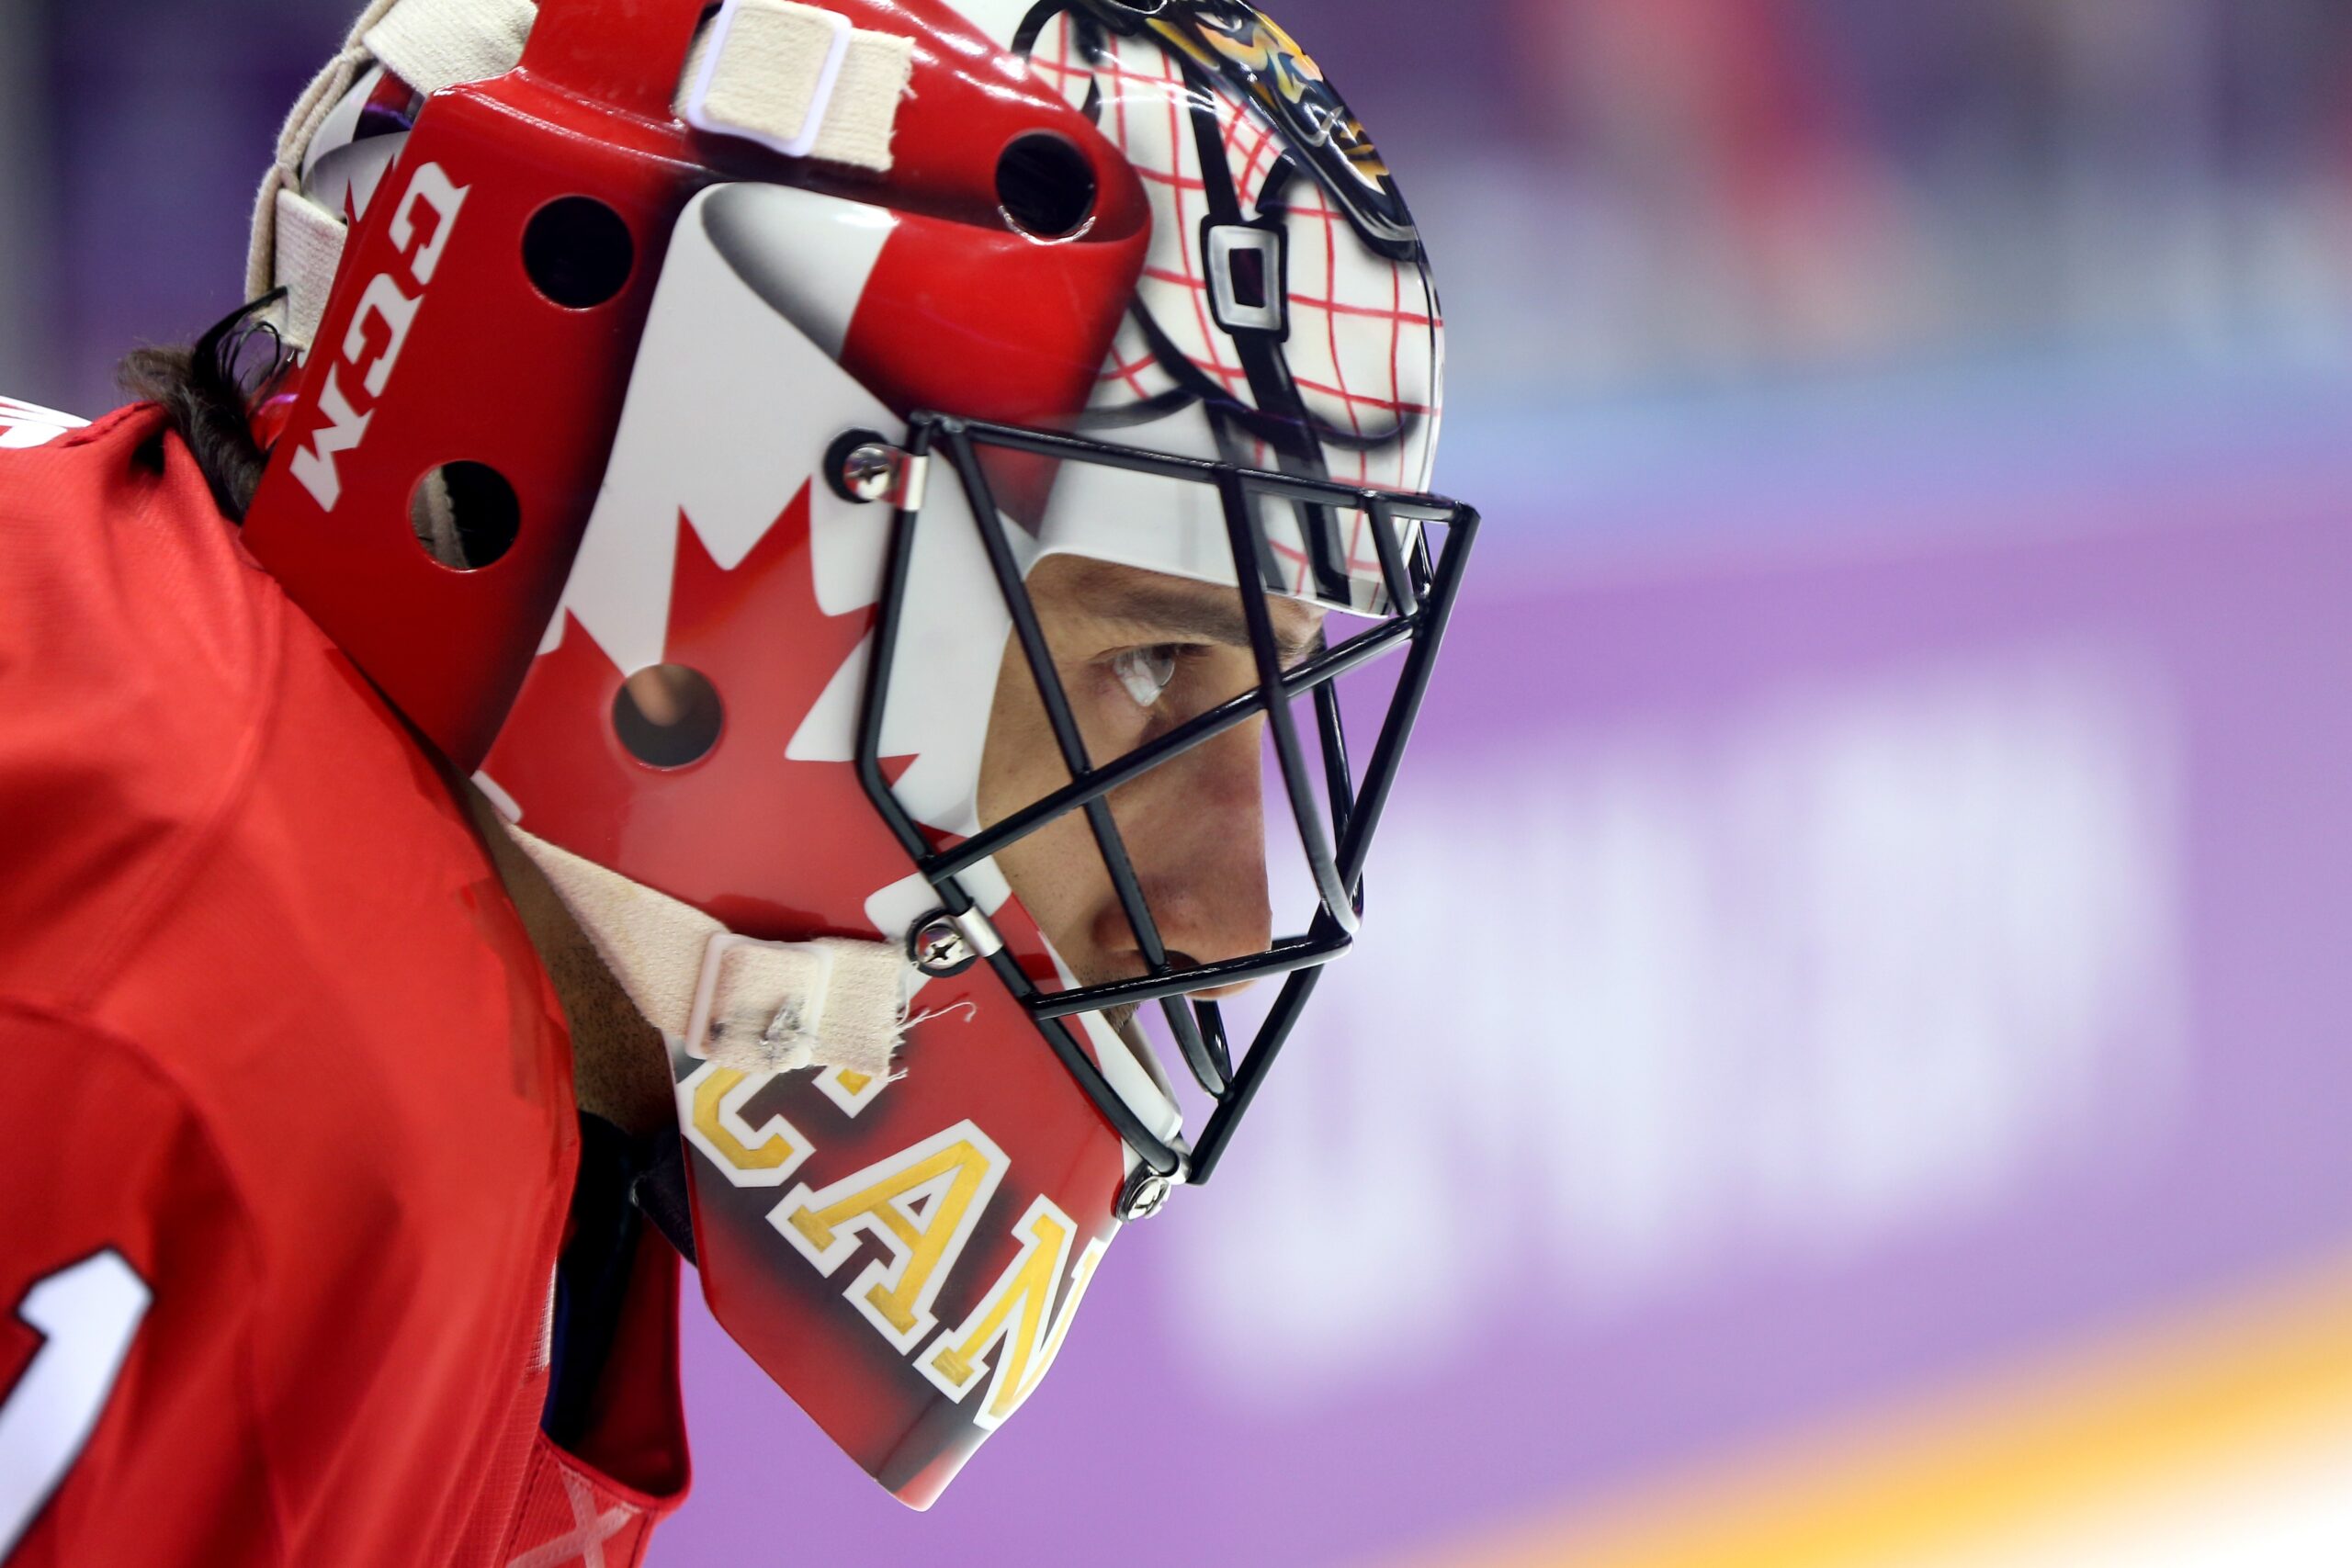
<point x="1850" y="1061"/>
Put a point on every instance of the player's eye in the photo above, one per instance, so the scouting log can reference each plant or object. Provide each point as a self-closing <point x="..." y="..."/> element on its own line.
<point x="1145" y="673"/>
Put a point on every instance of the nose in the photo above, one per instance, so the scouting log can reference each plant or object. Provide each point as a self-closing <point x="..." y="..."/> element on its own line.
<point x="1195" y="831"/>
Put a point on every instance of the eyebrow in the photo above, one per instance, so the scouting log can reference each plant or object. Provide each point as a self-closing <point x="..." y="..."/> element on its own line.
<point x="1204" y="614"/>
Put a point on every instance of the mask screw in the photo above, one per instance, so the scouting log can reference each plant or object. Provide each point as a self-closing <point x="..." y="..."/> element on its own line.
<point x="869" y="472"/>
<point x="1146" y="1194"/>
<point x="939" y="949"/>
<point x="862" y="466"/>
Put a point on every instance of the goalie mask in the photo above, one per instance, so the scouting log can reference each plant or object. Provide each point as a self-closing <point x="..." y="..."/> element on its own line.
<point x="879" y="495"/>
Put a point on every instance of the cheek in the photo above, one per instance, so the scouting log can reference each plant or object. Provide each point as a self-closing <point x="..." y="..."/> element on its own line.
<point x="1055" y="871"/>
<point x="1019" y="741"/>
<point x="1058" y="877"/>
<point x="1022" y="761"/>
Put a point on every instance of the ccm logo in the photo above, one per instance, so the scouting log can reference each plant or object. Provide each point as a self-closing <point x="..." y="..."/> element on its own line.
<point x="371" y="345"/>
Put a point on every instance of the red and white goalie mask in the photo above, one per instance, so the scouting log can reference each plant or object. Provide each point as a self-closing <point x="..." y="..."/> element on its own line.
<point x="886" y="497"/>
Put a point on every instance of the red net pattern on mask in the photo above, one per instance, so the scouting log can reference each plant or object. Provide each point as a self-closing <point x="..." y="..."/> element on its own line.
<point x="1363" y="343"/>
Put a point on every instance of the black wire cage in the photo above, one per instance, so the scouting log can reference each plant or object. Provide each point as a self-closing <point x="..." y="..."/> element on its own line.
<point x="1421" y="576"/>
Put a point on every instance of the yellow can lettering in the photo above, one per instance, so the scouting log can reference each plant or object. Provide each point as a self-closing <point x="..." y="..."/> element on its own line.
<point x="1018" y="1315"/>
<point x="712" y="1098"/>
<point x="921" y="1203"/>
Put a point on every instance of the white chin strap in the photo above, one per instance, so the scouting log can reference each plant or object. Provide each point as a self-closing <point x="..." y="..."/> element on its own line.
<point x="757" y="1006"/>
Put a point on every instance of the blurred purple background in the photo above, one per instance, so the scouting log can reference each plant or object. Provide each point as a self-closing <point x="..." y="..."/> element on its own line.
<point x="1625" y="197"/>
<point x="1870" y="904"/>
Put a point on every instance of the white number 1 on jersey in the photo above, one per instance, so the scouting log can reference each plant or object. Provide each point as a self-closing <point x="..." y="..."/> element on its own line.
<point x="85" y="1314"/>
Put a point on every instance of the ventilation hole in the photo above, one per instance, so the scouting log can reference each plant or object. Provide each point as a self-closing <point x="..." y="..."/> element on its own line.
<point x="578" y="252"/>
<point x="668" y="715"/>
<point x="465" y="514"/>
<point x="1046" y="185"/>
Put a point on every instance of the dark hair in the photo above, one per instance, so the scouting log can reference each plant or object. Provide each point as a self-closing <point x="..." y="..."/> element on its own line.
<point x="203" y="389"/>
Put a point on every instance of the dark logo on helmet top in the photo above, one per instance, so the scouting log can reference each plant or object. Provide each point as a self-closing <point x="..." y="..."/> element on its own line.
<point x="1263" y="65"/>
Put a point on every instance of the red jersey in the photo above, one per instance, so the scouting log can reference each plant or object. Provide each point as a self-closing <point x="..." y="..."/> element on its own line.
<point x="287" y="1133"/>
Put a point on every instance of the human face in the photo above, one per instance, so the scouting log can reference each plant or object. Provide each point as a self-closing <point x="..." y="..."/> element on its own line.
<point x="1139" y="653"/>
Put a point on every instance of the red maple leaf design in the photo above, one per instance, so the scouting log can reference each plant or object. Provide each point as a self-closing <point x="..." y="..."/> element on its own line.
<point x="771" y="847"/>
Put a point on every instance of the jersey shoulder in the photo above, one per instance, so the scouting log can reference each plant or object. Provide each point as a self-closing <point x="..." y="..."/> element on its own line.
<point x="223" y="842"/>
<point x="135" y="668"/>
<point x="215" y="819"/>
<point x="236" y="856"/>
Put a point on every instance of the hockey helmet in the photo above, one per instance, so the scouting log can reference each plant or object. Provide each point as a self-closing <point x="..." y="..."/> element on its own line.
<point x="693" y="405"/>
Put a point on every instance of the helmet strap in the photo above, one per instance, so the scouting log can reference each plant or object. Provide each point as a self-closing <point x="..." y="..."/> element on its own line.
<point x="756" y="1006"/>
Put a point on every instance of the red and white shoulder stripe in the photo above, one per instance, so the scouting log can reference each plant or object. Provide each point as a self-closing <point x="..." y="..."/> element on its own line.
<point x="28" y="424"/>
